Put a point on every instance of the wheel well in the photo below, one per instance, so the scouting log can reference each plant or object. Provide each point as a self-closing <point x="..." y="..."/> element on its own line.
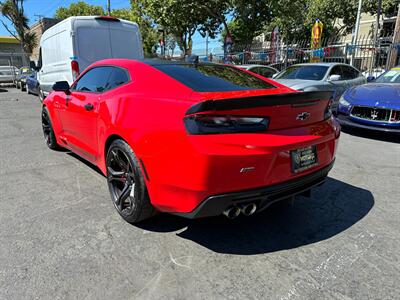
<point x="109" y="141"/>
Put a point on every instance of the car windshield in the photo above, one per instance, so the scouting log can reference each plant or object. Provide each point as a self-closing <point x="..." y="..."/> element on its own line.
<point x="213" y="77"/>
<point x="304" y="72"/>
<point x="392" y="76"/>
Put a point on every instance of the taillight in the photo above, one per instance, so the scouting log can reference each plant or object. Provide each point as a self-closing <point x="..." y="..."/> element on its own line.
<point x="328" y="110"/>
<point x="75" y="69"/>
<point x="214" y="124"/>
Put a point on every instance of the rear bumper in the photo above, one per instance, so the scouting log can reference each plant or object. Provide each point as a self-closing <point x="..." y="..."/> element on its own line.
<point x="346" y="121"/>
<point x="263" y="197"/>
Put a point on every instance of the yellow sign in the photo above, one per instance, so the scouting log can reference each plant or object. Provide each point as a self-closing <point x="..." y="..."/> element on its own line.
<point x="316" y="34"/>
<point x="8" y="40"/>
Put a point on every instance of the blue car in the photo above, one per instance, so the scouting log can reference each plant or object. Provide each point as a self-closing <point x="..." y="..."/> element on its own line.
<point x="374" y="106"/>
<point x="32" y="84"/>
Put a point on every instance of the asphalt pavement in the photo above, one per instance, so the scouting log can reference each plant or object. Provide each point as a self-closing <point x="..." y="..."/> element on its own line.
<point x="60" y="237"/>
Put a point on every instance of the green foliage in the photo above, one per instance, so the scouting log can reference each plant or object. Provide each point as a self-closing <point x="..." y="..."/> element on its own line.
<point x="13" y="10"/>
<point x="134" y="14"/>
<point x="296" y="17"/>
<point x="79" y="8"/>
<point x="149" y="34"/>
<point x="249" y="20"/>
<point x="182" y="18"/>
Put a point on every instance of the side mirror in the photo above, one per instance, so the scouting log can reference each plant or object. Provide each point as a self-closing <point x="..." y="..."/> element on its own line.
<point x="370" y="78"/>
<point x="334" y="78"/>
<point x="33" y="66"/>
<point x="62" y="86"/>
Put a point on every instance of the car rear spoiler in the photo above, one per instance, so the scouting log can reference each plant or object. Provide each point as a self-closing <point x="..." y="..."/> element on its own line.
<point x="297" y="99"/>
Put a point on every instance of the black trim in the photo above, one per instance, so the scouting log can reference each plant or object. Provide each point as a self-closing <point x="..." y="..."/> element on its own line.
<point x="295" y="98"/>
<point x="263" y="197"/>
<point x="144" y="170"/>
<point x="346" y="121"/>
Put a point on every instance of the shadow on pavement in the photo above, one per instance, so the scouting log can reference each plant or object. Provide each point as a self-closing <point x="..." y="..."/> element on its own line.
<point x="333" y="208"/>
<point x="375" y="135"/>
<point x="82" y="160"/>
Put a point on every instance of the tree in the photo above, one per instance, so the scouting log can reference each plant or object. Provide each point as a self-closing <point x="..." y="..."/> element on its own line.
<point x="170" y="44"/>
<point x="182" y="18"/>
<point x="13" y="10"/>
<point x="134" y="14"/>
<point x="297" y="26"/>
<point x="149" y="34"/>
<point x="79" y="8"/>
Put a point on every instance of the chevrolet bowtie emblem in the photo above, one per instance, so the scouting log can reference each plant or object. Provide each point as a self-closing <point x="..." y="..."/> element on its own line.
<point x="303" y="116"/>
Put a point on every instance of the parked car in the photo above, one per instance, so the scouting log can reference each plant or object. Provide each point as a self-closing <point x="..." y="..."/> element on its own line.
<point x="68" y="47"/>
<point x="193" y="139"/>
<point x="262" y="70"/>
<point x="20" y="80"/>
<point x="8" y="74"/>
<point x="335" y="77"/>
<point x="32" y="84"/>
<point x="374" y="106"/>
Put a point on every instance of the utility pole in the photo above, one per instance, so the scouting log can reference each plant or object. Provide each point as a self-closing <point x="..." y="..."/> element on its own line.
<point x="355" y="36"/>
<point x="395" y="44"/>
<point x="207" y="45"/>
<point x="376" y="33"/>
<point x="108" y="7"/>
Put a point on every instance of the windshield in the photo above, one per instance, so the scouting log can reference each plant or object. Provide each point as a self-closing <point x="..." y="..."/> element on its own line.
<point x="304" y="72"/>
<point x="392" y="76"/>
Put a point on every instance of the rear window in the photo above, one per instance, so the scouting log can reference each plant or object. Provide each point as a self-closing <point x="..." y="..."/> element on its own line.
<point x="213" y="78"/>
<point x="310" y="72"/>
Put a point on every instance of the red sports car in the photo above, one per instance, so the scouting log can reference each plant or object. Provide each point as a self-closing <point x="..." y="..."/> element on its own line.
<point x="192" y="139"/>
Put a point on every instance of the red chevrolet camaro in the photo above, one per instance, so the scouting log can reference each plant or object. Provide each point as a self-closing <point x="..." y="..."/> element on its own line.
<point x="192" y="139"/>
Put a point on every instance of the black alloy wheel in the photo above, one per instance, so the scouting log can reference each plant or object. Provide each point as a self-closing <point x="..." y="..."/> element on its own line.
<point x="126" y="184"/>
<point x="48" y="131"/>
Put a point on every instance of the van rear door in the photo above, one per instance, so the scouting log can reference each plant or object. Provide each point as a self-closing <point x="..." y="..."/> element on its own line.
<point x="101" y="38"/>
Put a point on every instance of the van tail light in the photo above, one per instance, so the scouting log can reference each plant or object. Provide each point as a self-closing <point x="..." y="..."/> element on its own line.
<point x="75" y="69"/>
<point x="217" y="124"/>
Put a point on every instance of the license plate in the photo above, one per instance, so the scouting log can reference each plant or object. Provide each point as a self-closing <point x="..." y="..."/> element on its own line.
<point x="303" y="159"/>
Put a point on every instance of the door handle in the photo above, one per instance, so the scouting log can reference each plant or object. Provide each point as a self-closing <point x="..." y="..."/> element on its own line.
<point x="89" y="106"/>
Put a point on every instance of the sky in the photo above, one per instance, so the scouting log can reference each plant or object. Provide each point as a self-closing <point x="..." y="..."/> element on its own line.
<point x="47" y="8"/>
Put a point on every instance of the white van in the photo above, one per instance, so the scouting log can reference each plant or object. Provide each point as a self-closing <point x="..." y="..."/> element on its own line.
<point x="70" y="46"/>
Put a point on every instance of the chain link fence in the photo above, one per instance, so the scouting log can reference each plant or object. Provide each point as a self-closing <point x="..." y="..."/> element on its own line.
<point x="364" y="54"/>
<point x="10" y="63"/>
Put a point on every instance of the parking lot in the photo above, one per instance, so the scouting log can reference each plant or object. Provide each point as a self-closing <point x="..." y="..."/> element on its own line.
<point x="61" y="237"/>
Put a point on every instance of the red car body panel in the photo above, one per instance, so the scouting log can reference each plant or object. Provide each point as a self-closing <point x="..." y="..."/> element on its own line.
<point x="182" y="170"/>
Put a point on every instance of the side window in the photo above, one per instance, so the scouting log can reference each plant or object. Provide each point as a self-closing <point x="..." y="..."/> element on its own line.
<point x="94" y="80"/>
<point x="118" y="77"/>
<point x="255" y="70"/>
<point x="266" y="72"/>
<point x="337" y="70"/>
<point x="349" y="72"/>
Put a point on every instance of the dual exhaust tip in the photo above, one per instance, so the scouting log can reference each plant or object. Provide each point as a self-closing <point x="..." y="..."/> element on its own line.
<point x="234" y="211"/>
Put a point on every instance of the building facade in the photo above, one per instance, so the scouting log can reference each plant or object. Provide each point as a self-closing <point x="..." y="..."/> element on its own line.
<point x="38" y="28"/>
<point x="11" y="52"/>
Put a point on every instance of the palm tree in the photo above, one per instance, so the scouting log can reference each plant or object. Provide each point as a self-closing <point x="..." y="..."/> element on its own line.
<point x="13" y="10"/>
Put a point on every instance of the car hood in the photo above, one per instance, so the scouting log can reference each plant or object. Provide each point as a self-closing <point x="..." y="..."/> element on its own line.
<point x="375" y="94"/>
<point x="297" y="83"/>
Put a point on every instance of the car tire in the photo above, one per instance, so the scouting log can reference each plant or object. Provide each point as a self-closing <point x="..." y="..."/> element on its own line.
<point x="41" y="95"/>
<point x="23" y="87"/>
<point x="48" y="132"/>
<point x="126" y="183"/>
